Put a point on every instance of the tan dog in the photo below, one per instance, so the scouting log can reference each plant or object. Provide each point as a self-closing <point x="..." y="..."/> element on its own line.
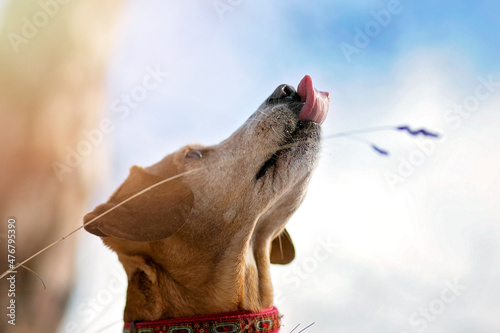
<point x="202" y="240"/>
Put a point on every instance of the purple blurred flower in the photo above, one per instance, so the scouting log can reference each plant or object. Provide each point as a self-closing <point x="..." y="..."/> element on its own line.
<point x="421" y="131"/>
<point x="380" y="150"/>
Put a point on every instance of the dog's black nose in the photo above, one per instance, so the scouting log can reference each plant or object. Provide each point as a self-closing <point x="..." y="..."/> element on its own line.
<point x="282" y="91"/>
<point x="283" y="94"/>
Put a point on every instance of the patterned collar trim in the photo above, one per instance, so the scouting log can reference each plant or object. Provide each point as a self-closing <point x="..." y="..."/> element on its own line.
<point x="267" y="321"/>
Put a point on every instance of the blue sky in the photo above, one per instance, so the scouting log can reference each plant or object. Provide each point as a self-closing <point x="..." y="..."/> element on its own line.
<point x="396" y="247"/>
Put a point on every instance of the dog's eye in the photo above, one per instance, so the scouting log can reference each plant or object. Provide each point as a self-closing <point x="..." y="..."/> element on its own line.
<point x="193" y="154"/>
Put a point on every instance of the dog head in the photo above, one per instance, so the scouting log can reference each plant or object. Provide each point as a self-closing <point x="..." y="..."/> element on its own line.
<point x="232" y="199"/>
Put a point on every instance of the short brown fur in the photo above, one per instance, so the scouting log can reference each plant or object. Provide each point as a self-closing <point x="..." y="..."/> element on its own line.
<point x="203" y="242"/>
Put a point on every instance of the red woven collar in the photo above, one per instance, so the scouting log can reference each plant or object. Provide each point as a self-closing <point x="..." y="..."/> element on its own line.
<point x="267" y="321"/>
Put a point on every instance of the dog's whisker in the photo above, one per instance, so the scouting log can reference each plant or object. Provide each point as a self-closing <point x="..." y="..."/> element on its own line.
<point x="361" y="131"/>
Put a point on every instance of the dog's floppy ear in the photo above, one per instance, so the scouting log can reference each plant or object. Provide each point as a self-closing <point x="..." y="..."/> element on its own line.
<point x="282" y="249"/>
<point x="153" y="215"/>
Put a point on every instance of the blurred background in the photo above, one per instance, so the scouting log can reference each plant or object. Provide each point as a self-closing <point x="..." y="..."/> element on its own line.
<point x="403" y="243"/>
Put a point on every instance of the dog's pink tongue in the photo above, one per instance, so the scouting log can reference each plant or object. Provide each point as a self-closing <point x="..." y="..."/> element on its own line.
<point x="316" y="102"/>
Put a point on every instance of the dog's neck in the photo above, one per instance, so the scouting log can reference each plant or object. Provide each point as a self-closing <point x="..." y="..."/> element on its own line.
<point x="238" y="279"/>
